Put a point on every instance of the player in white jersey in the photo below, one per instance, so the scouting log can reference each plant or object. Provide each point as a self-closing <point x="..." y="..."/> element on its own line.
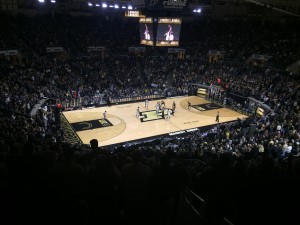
<point x="146" y="103"/>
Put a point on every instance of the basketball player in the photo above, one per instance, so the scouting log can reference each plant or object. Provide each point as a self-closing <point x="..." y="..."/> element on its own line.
<point x="169" y="114"/>
<point x="162" y="103"/>
<point x="163" y="112"/>
<point x="173" y="108"/>
<point x="137" y="115"/>
<point x="104" y="115"/>
<point x="146" y="103"/>
<point x="157" y="107"/>
<point x="189" y="105"/>
<point x="218" y="116"/>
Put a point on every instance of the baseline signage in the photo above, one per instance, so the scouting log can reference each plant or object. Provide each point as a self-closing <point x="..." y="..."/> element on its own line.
<point x="183" y="131"/>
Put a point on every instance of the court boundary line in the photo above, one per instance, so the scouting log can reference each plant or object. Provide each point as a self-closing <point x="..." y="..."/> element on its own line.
<point x="152" y="138"/>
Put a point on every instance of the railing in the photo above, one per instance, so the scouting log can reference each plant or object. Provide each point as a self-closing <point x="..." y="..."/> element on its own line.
<point x="199" y="206"/>
<point x="226" y="222"/>
<point x="196" y="203"/>
<point x="72" y="103"/>
<point x="97" y="101"/>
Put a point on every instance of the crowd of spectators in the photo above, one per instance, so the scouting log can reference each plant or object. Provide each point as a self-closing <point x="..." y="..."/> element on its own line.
<point x="234" y="168"/>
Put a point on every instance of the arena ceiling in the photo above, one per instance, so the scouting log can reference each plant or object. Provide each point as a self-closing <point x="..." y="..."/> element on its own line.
<point x="288" y="7"/>
<point x="291" y="7"/>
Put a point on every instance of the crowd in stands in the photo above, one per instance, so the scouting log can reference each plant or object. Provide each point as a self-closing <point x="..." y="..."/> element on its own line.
<point x="235" y="169"/>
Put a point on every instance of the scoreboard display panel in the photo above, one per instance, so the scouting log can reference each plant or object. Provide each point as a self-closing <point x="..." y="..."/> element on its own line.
<point x="133" y="13"/>
<point x="146" y="31"/>
<point x="201" y="92"/>
<point x="168" y="31"/>
<point x="260" y="111"/>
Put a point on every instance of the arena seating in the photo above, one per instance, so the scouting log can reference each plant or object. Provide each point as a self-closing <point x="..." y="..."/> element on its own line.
<point x="45" y="180"/>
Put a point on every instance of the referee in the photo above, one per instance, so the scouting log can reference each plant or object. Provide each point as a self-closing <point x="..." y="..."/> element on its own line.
<point x="218" y="117"/>
<point x="137" y="115"/>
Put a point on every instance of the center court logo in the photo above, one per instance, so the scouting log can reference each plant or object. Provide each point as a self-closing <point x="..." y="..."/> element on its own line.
<point x="151" y="115"/>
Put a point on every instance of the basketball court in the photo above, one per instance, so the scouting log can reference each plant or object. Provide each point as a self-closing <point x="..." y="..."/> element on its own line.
<point x="122" y="124"/>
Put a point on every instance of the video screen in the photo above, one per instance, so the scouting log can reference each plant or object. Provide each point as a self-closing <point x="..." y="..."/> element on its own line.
<point x="260" y="111"/>
<point x="168" y="32"/>
<point x="201" y="92"/>
<point x="146" y="31"/>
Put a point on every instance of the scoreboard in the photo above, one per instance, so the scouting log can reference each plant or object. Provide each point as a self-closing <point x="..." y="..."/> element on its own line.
<point x="168" y="32"/>
<point x="146" y="31"/>
<point x="133" y="13"/>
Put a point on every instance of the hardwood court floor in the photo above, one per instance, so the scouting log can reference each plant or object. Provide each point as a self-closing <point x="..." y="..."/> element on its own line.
<point x="126" y="127"/>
